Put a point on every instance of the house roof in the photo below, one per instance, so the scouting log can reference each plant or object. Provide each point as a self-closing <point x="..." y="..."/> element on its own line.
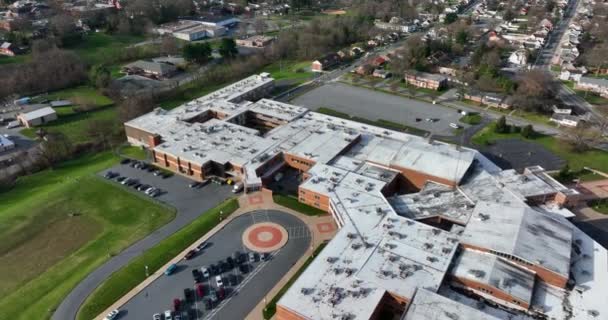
<point x="152" y="66"/>
<point x="330" y="58"/>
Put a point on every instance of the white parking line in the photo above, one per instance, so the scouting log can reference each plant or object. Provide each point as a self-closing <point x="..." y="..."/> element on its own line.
<point x="251" y="275"/>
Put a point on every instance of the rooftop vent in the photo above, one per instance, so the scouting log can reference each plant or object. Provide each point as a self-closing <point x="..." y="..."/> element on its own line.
<point x="477" y="273"/>
<point x="483" y="216"/>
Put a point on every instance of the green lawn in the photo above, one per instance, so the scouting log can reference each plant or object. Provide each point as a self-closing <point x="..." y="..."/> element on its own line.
<point x="294" y="204"/>
<point x="189" y="93"/>
<point x="74" y="125"/>
<point x="471" y="118"/>
<point x="101" y="47"/>
<point x="134" y="152"/>
<point x="291" y="70"/>
<point x="595" y="159"/>
<point x="80" y="94"/>
<point x="52" y="234"/>
<point x="271" y="308"/>
<point x="599" y="205"/>
<point x="380" y="122"/>
<point x="123" y="280"/>
<point x="15" y="59"/>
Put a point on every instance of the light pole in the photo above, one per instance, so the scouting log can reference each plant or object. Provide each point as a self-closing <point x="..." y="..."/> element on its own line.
<point x="147" y="274"/>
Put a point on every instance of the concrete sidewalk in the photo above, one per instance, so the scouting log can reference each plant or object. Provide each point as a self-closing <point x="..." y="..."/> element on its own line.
<point x="322" y="229"/>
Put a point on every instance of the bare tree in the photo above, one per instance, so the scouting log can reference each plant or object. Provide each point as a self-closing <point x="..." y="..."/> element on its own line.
<point x="134" y="107"/>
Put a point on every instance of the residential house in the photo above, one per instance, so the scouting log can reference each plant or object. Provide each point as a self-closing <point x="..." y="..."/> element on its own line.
<point x="151" y="69"/>
<point x="562" y="110"/>
<point x="326" y="62"/>
<point x="567" y="120"/>
<point x="519" y="57"/>
<point x="189" y="30"/>
<point x="396" y="24"/>
<point x="381" y="73"/>
<point x="595" y="85"/>
<point x="426" y="80"/>
<point x="37" y="117"/>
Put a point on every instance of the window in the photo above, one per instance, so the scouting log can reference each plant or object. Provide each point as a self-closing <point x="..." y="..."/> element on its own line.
<point x="316" y="204"/>
<point x="317" y="197"/>
<point x="302" y="199"/>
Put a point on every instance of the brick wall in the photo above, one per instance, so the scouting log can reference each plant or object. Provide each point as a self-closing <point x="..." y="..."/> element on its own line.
<point x="313" y="199"/>
<point x="490" y="291"/>
<point x="286" y="314"/>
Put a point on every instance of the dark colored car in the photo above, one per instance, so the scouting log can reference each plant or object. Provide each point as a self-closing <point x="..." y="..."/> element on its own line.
<point x="223" y="266"/>
<point x="244" y="268"/>
<point x="232" y="280"/>
<point x="213" y="270"/>
<point x="120" y="179"/>
<point x="193" y="185"/>
<point x="188" y="295"/>
<point x="200" y="290"/>
<point x="239" y="257"/>
<point x="134" y="164"/>
<point x="203" y="245"/>
<point x="125" y="161"/>
<point x="230" y="262"/>
<point x="177" y="303"/>
<point x="221" y="293"/>
<point x="197" y="275"/>
<point x="190" y="254"/>
<point x="208" y="304"/>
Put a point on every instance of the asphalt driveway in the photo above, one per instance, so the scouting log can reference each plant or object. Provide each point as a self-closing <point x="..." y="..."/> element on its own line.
<point x="190" y="203"/>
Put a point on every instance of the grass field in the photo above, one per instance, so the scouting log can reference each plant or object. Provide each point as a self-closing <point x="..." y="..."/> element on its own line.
<point x="100" y="47"/>
<point x="471" y="118"/>
<point x="294" y="204"/>
<point x="123" y="280"/>
<point x="271" y="308"/>
<point x="74" y="125"/>
<point x="134" y="152"/>
<point x="52" y="234"/>
<point x="15" y="59"/>
<point x="595" y="159"/>
<point x="291" y="70"/>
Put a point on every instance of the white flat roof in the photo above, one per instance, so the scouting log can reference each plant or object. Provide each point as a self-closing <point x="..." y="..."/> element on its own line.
<point x="39" y="113"/>
<point x="428" y="305"/>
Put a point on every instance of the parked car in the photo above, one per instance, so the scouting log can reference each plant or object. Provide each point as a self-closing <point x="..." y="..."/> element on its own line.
<point x="157" y="173"/>
<point x="239" y="257"/>
<point x="170" y="269"/>
<point x="221" y="293"/>
<point x="121" y="179"/>
<point x="204" y="183"/>
<point x="110" y="175"/>
<point x="218" y="281"/>
<point x="156" y="316"/>
<point x="134" y="163"/>
<point x="264" y="256"/>
<point x="244" y="268"/>
<point x="190" y="254"/>
<point x="112" y="315"/>
<point x="203" y="245"/>
<point x="125" y="161"/>
<point x="200" y="291"/>
<point x="168" y="315"/>
<point x="205" y="272"/>
<point x="193" y="185"/>
<point x="232" y="280"/>
<point x="252" y="257"/>
<point x="223" y="266"/>
<point x="176" y="304"/>
<point x="188" y="295"/>
<point x="231" y="263"/>
<point x="143" y="187"/>
<point x="214" y="270"/>
<point x="177" y="317"/>
<point x="208" y="304"/>
<point x="197" y="275"/>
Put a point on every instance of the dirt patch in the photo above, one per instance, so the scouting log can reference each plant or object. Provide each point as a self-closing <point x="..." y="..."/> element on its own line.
<point x="41" y="251"/>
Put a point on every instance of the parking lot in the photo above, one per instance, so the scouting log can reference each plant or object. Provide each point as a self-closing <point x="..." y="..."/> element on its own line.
<point x="375" y="105"/>
<point x="242" y="291"/>
<point x="175" y="190"/>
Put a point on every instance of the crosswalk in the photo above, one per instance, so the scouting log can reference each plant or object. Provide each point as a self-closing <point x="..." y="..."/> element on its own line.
<point x="298" y="232"/>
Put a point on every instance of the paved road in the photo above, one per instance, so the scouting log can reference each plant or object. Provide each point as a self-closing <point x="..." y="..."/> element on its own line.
<point x="374" y="105"/>
<point x="189" y="204"/>
<point x="252" y="287"/>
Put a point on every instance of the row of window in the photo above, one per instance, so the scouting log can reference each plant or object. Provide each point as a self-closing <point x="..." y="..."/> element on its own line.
<point x="510" y="257"/>
<point x="301" y="162"/>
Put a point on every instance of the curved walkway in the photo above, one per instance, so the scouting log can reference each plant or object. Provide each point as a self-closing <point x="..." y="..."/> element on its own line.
<point x="69" y="307"/>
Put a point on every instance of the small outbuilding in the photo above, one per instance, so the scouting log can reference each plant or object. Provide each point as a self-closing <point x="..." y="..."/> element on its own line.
<point x="37" y="117"/>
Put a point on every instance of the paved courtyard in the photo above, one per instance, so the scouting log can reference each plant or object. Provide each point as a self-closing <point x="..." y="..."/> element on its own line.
<point x="375" y="105"/>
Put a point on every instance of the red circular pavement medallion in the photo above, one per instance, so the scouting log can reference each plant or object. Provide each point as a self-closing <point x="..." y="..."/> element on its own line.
<point x="265" y="237"/>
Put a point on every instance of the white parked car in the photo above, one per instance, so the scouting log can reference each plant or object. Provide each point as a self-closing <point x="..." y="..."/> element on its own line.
<point x="238" y="187"/>
<point x="156" y="316"/>
<point x="205" y="272"/>
<point x="168" y="315"/>
<point x="112" y="315"/>
<point x="219" y="282"/>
